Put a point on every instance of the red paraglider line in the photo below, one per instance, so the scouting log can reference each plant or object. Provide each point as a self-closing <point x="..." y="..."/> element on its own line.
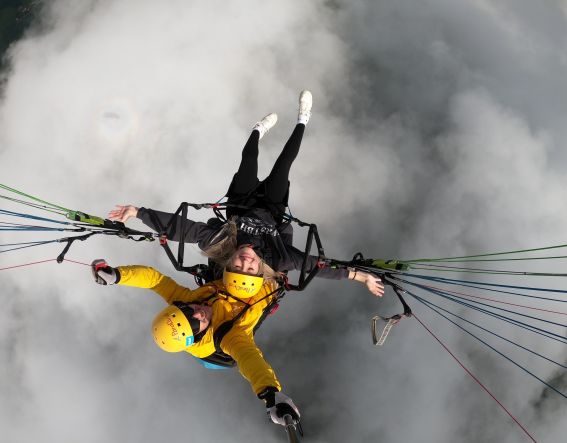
<point x="42" y="261"/>
<point x="495" y="301"/>
<point x="474" y="378"/>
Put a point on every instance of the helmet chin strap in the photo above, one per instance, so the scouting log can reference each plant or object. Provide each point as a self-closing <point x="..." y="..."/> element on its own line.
<point x="201" y="334"/>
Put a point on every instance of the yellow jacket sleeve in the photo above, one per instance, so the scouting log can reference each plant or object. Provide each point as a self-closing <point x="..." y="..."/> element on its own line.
<point x="149" y="278"/>
<point x="251" y="363"/>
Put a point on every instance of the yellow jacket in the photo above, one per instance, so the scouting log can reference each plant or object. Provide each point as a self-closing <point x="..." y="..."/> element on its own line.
<point x="238" y="342"/>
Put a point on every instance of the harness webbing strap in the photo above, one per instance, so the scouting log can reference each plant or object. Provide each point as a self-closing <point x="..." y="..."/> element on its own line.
<point x="390" y="322"/>
<point x="224" y="328"/>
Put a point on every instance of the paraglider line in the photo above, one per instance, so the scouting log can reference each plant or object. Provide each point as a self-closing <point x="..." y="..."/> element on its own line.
<point x="512" y="321"/>
<point x="505" y="292"/>
<point x="519" y="251"/>
<point x="495" y="285"/>
<point x="493" y="300"/>
<point x="475" y="379"/>
<point x="492" y="347"/>
<point x="448" y="296"/>
<point x="27" y="264"/>
<point x="439" y="268"/>
<point x="430" y="303"/>
<point x="42" y="261"/>
<point x="27" y="245"/>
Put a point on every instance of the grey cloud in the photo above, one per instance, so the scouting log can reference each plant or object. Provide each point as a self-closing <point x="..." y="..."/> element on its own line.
<point x="437" y="130"/>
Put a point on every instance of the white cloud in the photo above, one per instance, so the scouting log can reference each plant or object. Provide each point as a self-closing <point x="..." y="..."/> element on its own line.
<point x="437" y="130"/>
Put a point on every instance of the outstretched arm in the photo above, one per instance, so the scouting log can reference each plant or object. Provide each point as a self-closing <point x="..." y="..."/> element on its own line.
<point x="251" y="363"/>
<point x="166" y="287"/>
<point x="373" y="283"/>
<point x="194" y="232"/>
<point x="240" y="345"/>
<point x="143" y="277"/>
<point x="297" y="257"/>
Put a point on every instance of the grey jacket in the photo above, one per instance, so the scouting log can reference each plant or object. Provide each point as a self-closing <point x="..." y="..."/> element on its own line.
<point x="256" y="227"/>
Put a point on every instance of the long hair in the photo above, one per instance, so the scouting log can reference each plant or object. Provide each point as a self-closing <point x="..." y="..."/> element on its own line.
<point x="222" y="251"/>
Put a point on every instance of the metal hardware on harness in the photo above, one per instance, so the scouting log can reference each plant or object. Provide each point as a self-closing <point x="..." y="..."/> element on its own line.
<point x="390" y="322"/>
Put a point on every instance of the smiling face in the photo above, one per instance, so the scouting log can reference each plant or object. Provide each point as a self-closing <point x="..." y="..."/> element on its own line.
<point x="245" y="260"/>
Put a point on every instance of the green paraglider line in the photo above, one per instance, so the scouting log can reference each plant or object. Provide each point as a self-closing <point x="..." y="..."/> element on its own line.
<point x="439" y="268"/>
<point x="382" y="268"/>
<point x="473" y="257"/>
<point x="432" y="262"/>
<point x="51" y="207"/>
<point x="31" y="197"/>
<point x="81" y="222"/>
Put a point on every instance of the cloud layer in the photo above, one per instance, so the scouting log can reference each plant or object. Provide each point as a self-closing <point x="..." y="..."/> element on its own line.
<point x="437" y="130"/>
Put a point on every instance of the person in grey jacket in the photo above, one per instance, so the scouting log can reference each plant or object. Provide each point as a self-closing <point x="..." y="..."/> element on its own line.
<point x="255" y="240"/>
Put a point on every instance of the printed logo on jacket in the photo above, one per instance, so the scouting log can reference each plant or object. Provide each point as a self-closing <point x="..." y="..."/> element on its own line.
<point x="256" y="227"/>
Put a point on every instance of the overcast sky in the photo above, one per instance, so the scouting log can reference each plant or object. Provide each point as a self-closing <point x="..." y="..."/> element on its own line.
<point x="437" y="129"/>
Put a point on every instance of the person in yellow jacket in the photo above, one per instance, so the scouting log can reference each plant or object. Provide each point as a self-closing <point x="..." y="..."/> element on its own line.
<point x="215" y="323"/>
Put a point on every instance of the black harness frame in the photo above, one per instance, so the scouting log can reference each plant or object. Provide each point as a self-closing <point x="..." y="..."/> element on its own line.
<point x="202" y="273"/>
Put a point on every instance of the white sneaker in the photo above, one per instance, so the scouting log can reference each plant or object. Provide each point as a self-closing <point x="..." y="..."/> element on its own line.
<point x="305" y="104"/>
<point x="267" y="123"/>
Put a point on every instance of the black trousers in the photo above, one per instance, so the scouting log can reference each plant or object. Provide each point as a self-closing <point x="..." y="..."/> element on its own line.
<point x="274" y="189"/>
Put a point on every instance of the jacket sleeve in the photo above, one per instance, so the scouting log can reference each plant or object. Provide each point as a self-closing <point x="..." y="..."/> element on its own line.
<point x="297" y="259"/>
<point x="251" y="363"/>
<point x="286" y="233"/>
<point x="194" y="232"/>
<point x="149" y="278"/>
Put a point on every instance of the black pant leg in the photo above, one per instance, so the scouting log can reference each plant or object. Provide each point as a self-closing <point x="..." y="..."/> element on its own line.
<point x="277" y="182"/>
<point x="246" y="178"/>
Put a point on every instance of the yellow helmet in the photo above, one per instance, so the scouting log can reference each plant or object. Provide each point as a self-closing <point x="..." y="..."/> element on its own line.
<point x="242" y="285"/>
<point x="172" y="328"/>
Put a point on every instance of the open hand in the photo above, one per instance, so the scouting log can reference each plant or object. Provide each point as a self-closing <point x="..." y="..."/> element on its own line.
<point x="123" y="213"/>
<point x="374" y="285"/>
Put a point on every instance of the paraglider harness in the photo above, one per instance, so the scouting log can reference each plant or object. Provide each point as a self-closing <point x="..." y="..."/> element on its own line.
<point x="385" y="269"/>
<point x="207" y="273"/>
<point x="87" y="225"/>
<point x="219" y="359"/>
